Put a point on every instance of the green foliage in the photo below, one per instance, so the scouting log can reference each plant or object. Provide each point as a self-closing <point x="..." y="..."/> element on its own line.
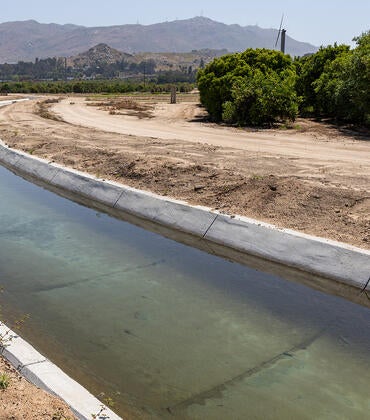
<point x="335" y="82"/>
<point x="310" y="68"/>
<point x="262" y="99"/>
<point x="356" y="82"/>
<point x="4" y="381"/>
<point x="261" y="86"/>
<point x="329" y="89"/>
<point x="254" y="87"/>
<point x="91" y="87"/>
<point x="54" y="69"/>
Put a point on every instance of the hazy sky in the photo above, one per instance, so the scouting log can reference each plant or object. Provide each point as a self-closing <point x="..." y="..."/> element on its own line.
<point x="317" y="21"/>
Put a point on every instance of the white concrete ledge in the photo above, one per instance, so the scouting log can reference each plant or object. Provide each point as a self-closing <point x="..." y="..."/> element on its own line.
<point x="12" y="101"/>
<point x="172" y="213"/>
<point x="46" y="375"/>
<point x="35" y="168"/>
<point x="332" y="260"/>
<point x="8" y="156"/>
<point x="315" y="255"/>
<point x="105" y="193"/>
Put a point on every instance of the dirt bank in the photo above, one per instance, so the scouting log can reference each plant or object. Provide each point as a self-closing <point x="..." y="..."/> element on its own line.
<point x="22" y="400"/>
<point x="314" y="178"/>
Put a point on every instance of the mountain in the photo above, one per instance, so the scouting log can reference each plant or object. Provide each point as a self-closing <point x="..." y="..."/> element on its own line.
<point x="27" y="40"/>
<point x="100" y="54"/>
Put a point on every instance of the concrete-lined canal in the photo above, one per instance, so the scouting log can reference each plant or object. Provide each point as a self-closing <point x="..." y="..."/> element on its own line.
<point x="168" y="330"/>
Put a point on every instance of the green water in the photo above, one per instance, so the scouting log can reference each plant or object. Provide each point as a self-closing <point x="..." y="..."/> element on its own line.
<point x="169" y="331"/>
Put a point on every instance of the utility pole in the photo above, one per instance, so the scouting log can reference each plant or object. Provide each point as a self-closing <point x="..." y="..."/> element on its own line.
<point x="173" y="94"/>
<point x="283" y="35"/>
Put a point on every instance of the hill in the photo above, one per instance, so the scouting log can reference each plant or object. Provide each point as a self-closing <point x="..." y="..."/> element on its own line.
<point x="102" y="55"/>
<point x="27" y="40"/>
<point x="102" y="61"/>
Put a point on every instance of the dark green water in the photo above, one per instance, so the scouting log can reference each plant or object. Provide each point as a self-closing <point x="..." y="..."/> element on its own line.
<point x="168" y="330"/>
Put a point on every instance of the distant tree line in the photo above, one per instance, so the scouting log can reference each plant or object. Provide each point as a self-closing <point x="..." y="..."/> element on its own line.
<point x="262" y="86"/>
<point x="56" y="69"/>
<point x="91" y="86"/>
<point x="49" y="68"/>
<point x="113" y="70"/>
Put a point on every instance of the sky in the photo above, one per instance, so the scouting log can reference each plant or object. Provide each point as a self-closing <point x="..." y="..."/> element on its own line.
<point x="320" y="22"/>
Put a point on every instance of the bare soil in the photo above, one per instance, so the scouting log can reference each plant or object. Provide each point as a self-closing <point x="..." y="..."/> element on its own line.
<point x="23" y="400"/>
<point x="313" y="178"/>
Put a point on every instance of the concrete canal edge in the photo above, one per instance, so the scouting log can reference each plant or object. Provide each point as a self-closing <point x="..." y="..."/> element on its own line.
<point x="46" y="375"/>
<point x="337" y="263"/>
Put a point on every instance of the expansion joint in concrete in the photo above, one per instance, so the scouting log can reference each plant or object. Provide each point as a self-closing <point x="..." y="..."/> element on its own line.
<point x="119" y="197"/>
<point x="209" y="227"/>
<point x="365" y="290"/>
<point x="21" y="367"/>
<point x="52" y="178"/>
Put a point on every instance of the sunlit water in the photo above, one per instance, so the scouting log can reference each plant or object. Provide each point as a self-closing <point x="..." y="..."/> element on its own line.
<point x="170" y="331"/>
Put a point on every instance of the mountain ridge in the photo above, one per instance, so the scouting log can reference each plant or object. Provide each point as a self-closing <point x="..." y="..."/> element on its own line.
<point x="26" y="40"/>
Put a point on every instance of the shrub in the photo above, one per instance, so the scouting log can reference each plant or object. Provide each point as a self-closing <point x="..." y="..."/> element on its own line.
<point x="251" y="88"/>
<point x="335" y="82"/>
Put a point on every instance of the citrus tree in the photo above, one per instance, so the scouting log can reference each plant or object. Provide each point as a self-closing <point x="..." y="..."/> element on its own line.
<point x="255" y="87"/>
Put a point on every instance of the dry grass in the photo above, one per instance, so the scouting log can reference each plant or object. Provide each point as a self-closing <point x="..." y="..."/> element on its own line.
<point x="52" y="101"/>
<point x="129" y="103"/>
<point x="131" y="106"/>
<point x="43" y="109"/>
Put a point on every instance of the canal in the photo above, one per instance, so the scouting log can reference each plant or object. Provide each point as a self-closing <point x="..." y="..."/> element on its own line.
<point x="169" y="331"/>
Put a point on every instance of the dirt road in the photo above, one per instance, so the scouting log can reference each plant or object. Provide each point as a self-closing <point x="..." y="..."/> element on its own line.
<point x="315" y="179"/>
<point x="171" y="122"/>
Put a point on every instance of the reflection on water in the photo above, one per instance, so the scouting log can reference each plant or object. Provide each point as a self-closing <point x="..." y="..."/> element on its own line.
<point x="170" y="331"/>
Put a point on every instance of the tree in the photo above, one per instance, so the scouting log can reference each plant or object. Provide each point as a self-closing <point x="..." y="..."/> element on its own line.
<point x="309" y="70"/>
<point x="335" y="82"/>
<point x="262" y="98"/>
<point x="254" y="87"/>
<point x="357" y="81"/>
